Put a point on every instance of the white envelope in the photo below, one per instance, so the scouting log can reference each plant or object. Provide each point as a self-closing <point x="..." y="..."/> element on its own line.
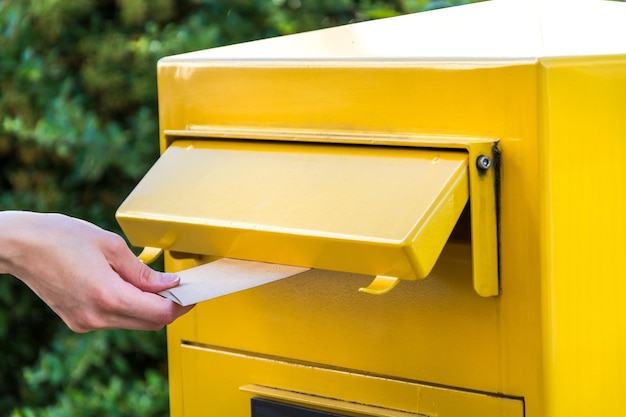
<point x="225" y="276"/>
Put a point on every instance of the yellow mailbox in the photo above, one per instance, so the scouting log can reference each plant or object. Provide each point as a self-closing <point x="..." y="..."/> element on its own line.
<point x="465" y="167"/>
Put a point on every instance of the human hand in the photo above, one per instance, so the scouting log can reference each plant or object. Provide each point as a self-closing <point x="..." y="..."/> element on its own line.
<point x="87" y="275"/>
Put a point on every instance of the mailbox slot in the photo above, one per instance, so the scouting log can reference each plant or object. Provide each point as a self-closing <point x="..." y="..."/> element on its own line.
<point x="294" y="387"/>
<point x="264" y="408"/>
<point x="384" y="208"/>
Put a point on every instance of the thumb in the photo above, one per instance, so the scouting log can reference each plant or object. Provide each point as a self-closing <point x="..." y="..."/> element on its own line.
<point x="132" y="270"/>
<point x="149" y="280"/>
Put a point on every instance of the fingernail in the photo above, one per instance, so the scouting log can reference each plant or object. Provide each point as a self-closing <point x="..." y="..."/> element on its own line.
<point x="170" y="277"/>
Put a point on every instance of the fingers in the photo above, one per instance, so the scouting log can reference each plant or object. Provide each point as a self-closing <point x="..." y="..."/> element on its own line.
<point x="146" y="311"/>
<point x="165" y="313"/>
<point x="81" y="325"/>
<point x="124" y="306"/>
<point x="89" y="277"/>
<point x="130" y="301"/>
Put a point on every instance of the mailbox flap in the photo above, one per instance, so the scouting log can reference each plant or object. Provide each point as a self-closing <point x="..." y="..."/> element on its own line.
<point x="369" y="209"/>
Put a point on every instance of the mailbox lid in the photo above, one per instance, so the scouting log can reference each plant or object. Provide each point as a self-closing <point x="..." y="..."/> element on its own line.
<point x="377" y="210"/>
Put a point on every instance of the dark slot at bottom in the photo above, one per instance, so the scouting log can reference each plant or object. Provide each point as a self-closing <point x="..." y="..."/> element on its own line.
<point x="266" y="408"/>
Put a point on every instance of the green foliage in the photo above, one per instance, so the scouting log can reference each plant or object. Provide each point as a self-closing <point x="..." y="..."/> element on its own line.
<point x="96" y="374"/>
<point x="78" y="128"/>
<point x="25" y="326"/>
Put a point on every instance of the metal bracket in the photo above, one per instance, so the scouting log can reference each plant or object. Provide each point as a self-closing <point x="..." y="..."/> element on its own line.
<point x="381" y="285"/>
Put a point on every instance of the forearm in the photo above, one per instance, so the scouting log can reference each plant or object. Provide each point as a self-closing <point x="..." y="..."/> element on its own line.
<point x="87" y="275"/>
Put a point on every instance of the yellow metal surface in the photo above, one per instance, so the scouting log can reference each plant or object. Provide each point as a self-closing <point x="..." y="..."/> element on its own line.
<point x="380" y="285"/>
<point x="364" y="209"/>
<point x="583" y="235"/>
<point x="548" y="80"/>
<point x="161" y="222"/>
<point x="436" y="330"/>
<point x="415" y="332"/>
<point x="483" y="182"/>
<point x="336" y="390"/>
<point x="149" y="255"/>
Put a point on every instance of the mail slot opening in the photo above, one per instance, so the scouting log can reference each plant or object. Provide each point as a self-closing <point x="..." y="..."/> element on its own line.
<point x="462" y="232"/>
<point x="266" y="408"/>
<point x="379" y="209"/>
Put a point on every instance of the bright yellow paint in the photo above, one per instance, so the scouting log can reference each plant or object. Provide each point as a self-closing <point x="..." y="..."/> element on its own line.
<point x="364" y="209"/>
<point x="380" y="285"/>
<point x="242" y="199"/>
<point x="348" y="393"/>
<point x="438" y="331"/>
<point x="583" y="238"/>
<point x="551" y="343"/>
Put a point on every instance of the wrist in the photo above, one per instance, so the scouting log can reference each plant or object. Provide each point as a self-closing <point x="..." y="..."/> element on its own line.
<point x="15" y="233"/>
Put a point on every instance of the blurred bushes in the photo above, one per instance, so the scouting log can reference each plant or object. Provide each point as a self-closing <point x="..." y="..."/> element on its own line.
<point x="78" y="128"/>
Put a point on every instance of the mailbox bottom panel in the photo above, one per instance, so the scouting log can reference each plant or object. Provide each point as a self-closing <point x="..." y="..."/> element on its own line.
<point x="220" y="382"/>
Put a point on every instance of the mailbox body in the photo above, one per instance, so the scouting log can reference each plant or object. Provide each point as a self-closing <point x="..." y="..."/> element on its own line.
<point x="550" y="343"/>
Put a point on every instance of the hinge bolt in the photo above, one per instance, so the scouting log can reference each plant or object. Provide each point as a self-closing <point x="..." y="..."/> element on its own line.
<point x="483" y="162"/>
